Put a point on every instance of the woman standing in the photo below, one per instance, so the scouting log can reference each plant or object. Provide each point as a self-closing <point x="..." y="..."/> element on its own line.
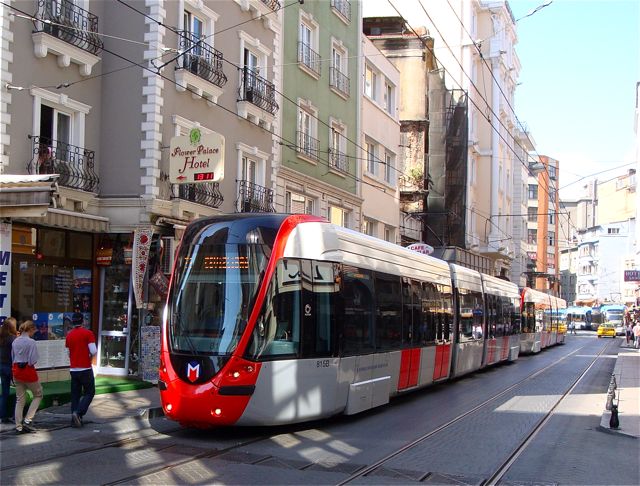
<point x="25" y="356"/>
<point x="7" y="334"/>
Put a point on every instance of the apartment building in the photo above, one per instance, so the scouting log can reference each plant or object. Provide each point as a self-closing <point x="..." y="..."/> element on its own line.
<point x="97" y="93"/>
<point x="318" y="172"/>
<point x="380" y="145"/>
<point x="543" y="207"/>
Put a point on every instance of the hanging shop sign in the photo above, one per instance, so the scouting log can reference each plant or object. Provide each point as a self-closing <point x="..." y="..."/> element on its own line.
<point x="421" y="248"/>
<point x="141" y="244"/>
<point x="632" y="275"/>
<point x="198" y="157"/>
<point x="5" y="271"/>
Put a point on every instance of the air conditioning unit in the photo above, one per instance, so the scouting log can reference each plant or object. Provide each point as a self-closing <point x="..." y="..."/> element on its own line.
<point x="169" y="246"/>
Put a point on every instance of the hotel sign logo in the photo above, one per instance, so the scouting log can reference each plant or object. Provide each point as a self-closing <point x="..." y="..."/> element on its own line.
<point x="197" y="157"/>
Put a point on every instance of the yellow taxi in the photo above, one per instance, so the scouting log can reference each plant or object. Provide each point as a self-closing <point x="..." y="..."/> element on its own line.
<point x="607" y="329"/>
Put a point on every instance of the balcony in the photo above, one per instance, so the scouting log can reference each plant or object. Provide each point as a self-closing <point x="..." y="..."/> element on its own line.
<point x="338" y="161"/>
<point x="309" y="59"/>
<point x="199" y="68"/>
<point x="68" y="31"/>
<point x="272" y="4"/>
<point x="253" y="198"/>
<point x="307" y="146"/>
<point x="339" y="82"/>
<point x="257" y="91"/>
<point x="205" y="193"/>
<point x="342" y="7"/>
<point x="75" y="165"/>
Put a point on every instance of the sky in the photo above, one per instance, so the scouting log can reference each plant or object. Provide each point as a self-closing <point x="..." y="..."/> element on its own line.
<point x="580" y="65"/>
<point x="579" y="68"/>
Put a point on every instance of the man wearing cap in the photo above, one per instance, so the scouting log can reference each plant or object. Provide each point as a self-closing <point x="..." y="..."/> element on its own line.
<point x="82" y="346"/>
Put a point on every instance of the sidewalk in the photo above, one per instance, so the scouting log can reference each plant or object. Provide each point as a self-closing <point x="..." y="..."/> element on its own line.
<point x="105" y="408"/>
<point x="627" y="373"/>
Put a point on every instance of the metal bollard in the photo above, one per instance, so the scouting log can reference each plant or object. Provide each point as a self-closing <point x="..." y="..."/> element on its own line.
<point x="610" y="396"/>
<point x="613" y="382"/>
<point x="614" y="421"/>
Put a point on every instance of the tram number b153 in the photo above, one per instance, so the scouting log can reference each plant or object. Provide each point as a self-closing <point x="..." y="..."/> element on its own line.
<point x="322" y="363"/>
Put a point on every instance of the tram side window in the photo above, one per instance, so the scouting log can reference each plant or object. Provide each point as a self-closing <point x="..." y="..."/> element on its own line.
<point x="513" y="319"/>
<point x="430" y="304"/>
<point x="388" y="311"/>
<point x="357" y="326"/>
<point x="417" y="316"/>
<point x="492" y="315"/>
<point x="471" y="315"/>
<point x="320" y="290"/>
<point x="529" y="318"/>
<point x="445" y="294"/>
<point x="277" y="331"/>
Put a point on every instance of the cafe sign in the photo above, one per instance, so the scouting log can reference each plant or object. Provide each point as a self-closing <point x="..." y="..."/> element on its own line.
<point x="197" y="157"/>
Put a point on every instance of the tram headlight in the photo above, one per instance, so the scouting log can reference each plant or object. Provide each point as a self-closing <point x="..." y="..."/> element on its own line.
<point x="216" y="412"/>
<point x="236" y="374"/>
<point x="169" y="407"/>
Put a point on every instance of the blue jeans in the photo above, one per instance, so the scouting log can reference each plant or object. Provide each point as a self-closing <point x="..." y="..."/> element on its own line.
<point x="5" y="376"/>
<point x="83" y="388"/>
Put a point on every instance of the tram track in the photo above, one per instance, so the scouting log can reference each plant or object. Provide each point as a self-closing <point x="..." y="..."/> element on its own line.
<point x="492" y="479"/>
<point x="504" y="467"/>
<point x="371" y="468"/>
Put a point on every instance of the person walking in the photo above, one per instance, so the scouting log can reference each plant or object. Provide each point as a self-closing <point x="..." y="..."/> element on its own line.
<point x="8" y="334"/>
<point x="636" y="335"/>
<point x="24" y="354"/>
<point x="81" y="344"/>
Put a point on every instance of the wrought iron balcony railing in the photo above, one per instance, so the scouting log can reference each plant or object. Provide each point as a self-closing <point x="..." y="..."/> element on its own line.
<point x="307" y="145"/>
<point x="253" y="198"/>
<point x="309" y="57"/>
<point x="343" y="7"/>
<point x="257" y="90"/>
<point x="339" y="81"/>
<point x="272" y="4"/>
<point x="205" y="193"/>
<point x="75" y="165"/>
<point x="69" y="22"/>
<point x="338" y="160"/>
<point x="200" y="58"/>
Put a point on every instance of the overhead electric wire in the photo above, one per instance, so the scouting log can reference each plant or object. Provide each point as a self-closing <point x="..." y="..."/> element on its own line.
<point x="355" y="178"/>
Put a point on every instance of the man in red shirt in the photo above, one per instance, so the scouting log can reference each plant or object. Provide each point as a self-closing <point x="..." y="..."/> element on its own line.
<point x="82" y="346"/>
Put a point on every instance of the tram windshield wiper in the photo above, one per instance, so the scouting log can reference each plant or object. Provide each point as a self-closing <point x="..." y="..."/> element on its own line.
<point x="182" y="333"/>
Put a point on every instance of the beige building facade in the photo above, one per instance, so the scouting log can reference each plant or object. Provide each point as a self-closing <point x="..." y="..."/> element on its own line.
<point x="380" y="145"/>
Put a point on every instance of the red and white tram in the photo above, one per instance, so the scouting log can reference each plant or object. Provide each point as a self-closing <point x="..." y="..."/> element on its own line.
<point x="275" y="319"/>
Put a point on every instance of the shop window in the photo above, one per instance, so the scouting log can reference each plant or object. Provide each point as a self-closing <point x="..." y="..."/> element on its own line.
<point x="81" y="245"/>
<point x="52" y="243"/>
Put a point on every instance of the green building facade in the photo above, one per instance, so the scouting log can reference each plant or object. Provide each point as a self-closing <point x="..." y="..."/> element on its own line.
<point x="319" y="167"/>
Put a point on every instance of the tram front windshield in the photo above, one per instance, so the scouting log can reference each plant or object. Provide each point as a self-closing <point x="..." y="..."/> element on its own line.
<point x="215" y="285"/>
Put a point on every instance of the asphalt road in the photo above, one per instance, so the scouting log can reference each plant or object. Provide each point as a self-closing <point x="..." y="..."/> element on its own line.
<point x="457" y="433"/>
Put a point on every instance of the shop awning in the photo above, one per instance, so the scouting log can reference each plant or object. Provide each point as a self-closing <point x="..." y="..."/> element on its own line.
<point x="61" y="218"/>
<point x="26" y="196"/>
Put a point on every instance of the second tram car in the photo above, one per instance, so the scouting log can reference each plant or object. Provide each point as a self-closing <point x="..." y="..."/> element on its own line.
<point x="544" y="320"/>
<point x="275" y="319"/>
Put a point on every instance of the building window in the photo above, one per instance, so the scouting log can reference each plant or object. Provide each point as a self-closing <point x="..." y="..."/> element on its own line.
<point x="552" y="238"/>
<point x="389" y="168"/>
<point x="532" y="215"/>
<point x="338" y="77"/>
<point x="370" y="227"/>
<point x="388" y="98"/>
<point x="533" y="191"/>
<point x="552" y="218"/>
<point x="613" y="231"/>
<point x="371" y="158"/>
<point x="370" y="82"/>
<point x="308" y="143"/>
<point x="338" y="148"/>
<point x="532" y="236"/>
<point x="298" y="204"/>
<point x="389" y="234"/>
<point x="338" y="216"/>
<point x="308" y="56"/>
